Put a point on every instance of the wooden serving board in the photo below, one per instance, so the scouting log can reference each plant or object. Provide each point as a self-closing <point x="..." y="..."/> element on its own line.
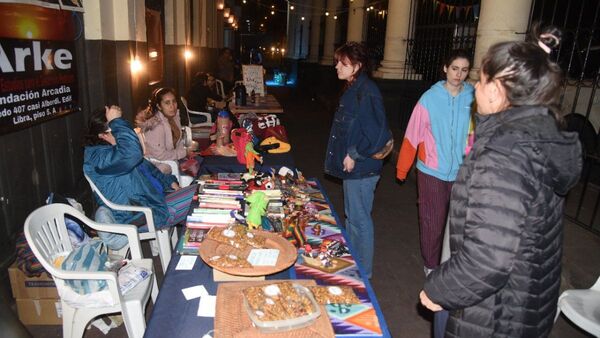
<point x="232" y="320"/>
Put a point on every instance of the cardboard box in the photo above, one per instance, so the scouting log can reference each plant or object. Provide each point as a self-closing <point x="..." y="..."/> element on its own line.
<point x="31" y="287"/>
<point x="39" y="311"/>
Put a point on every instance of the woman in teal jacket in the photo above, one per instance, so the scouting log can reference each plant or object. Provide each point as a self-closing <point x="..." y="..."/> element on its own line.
<point x="114" y="161"/>
<point x="437" y="134"/>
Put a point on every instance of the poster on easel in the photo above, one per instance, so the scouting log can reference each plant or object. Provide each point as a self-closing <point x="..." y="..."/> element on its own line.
<point x="253" y="79"/>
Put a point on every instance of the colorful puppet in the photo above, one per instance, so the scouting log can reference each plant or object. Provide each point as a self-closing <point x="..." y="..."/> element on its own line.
<point x="258" y="202"/>
<point x="251" y="156"/>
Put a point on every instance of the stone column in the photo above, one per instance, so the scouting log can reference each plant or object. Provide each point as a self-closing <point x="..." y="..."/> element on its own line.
<point x="315" y="30"/>
<point x="305" y="39"/>
<point x="356" y="20"/>
<point x="330" y="26"/>
<point x="396" y="35"/>
<point x="499" y="21"/>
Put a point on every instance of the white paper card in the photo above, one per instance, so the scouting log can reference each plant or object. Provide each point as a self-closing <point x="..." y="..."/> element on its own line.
<point x="186" y="262"/>
<point x="263" y="257"/>
<point x="194" y="292"/>
<point x="207" y="306"/>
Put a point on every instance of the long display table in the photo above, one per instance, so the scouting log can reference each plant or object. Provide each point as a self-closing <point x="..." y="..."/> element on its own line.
<point x="174" y="316"/>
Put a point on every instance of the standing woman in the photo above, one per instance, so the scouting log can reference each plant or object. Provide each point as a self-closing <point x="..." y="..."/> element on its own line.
<point x="161" y="125"/>
<point x="359" y="131"/>
<point x="437" y="132"/>
<point x="506" y="216"/>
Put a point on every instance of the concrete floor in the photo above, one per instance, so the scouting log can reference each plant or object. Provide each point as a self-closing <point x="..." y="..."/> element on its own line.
<point x="398" y="273"/>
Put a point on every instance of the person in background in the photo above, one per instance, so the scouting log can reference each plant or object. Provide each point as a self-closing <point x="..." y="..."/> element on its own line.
<point x="226" y="69"/>
<point x="437" y="132"/>
<point x="198" y="95"/>
<point x="161" y="125"/>
<point x="114" y="161"/>
<point x="359" y="131"/>
<point x="256" y="57"/>
<point x="506" y="214"/>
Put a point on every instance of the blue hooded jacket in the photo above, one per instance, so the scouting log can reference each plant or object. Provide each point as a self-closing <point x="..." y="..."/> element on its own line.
<point x="359" y="129"/>
<point x="437" y="132"/>
<point x="125" y="177"/>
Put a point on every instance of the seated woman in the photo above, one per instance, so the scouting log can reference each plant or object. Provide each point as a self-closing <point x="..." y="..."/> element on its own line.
<point x="161" y="124"/>
<point x="199" y="94"/>
<point x="114" y="161"/>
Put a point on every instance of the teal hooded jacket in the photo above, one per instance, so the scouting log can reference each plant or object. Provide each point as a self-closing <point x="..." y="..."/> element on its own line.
<point x="125" y="177"/>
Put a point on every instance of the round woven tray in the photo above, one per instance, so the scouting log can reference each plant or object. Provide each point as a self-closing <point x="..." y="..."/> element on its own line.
<point x="287" y="254"/>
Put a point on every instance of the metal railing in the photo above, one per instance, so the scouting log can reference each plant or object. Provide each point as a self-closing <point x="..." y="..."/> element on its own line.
<point x="436" y="28"/>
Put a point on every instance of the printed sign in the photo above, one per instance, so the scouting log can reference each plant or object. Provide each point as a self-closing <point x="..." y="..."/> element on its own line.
<point x="253" y="79"/>
<point x="38" y="79"/>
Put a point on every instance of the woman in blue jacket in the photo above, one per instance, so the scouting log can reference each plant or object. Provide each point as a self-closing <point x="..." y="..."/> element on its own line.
<point x="438" y="135"/>
<point x="114" y="161"/>
<point x="359" y="131"/>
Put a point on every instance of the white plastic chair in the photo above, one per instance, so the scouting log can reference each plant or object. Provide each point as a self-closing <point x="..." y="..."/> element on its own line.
<point x="209" y="122"/>
<point x="197" y="130"/>
<point x="582" y="307"/>
<point x="165" y="247"/>
<point x="47" y="236"/>
<point x="220" y="88"/>
<point x="184" y="180"/>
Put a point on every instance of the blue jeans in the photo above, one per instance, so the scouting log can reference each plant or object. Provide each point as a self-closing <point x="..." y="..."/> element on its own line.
<point x="358" y="204"/>
<point x="112" y="240"/>
<point x="440" y="319"/>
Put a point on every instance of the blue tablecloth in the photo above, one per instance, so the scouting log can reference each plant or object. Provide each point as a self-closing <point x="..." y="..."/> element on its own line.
<point x="223" y="164"/>
<point x="174" y="316"/>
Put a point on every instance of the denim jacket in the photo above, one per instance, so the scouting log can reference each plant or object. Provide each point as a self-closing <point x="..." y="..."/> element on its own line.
<point x="359" y="129"/>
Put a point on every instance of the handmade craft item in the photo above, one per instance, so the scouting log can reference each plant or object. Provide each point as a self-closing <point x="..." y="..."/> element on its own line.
<point x="258" y="202"/>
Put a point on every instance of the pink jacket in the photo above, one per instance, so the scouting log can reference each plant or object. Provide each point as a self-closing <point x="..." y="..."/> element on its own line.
<point x="159" y="142"/>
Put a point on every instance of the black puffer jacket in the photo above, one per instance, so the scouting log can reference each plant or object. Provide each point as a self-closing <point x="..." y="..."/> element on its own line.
<point x="506" y="225"/>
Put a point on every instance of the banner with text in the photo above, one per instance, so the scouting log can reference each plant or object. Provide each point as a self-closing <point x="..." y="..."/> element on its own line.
<point x="38" y="70"/>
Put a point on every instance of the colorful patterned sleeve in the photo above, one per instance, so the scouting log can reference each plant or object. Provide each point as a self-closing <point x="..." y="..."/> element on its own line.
<point x="412" y="139"/>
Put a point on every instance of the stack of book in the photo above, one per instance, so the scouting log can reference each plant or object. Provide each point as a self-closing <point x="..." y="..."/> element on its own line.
<point x="190" y="241"/>
<point x="217" y="201"/>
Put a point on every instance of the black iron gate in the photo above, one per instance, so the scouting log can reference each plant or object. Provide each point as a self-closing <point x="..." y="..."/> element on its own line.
<point x="436" y="28"/>
<point x="579" y="57"/>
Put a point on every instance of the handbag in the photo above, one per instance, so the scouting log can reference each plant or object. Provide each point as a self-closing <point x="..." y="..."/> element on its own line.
<point x="190" y="167"/>
<point x="385" y="151"/>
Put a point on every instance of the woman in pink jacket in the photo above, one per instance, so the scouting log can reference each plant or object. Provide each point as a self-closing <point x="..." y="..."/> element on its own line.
<point x="161" y="125"/>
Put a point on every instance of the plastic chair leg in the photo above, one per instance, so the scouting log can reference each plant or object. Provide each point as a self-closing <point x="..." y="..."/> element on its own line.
<point x="174" y="237"/>
<point x="164" y="247"/>
<point x="155" y="290"/>
<point x="81" y="319"/>
<point x="68" y="314"/>
<point x="133" y="316"/>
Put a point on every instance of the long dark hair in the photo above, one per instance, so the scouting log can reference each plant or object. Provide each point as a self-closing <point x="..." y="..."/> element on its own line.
<point x="525" y="69"/>
<point x="96" y="125"/>
<point x="155" y="99"/>
<point x="356" y="53"/>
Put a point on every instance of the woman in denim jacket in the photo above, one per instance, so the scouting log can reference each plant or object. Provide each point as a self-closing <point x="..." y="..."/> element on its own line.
<point x="359" y="131"/>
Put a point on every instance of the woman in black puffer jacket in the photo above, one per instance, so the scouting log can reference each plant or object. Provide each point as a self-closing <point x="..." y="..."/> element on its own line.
<point x="506" y="212"/>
